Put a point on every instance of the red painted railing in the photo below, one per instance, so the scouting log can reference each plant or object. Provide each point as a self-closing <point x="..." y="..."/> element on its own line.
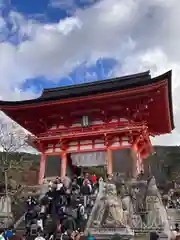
<point x="91" y="131"/>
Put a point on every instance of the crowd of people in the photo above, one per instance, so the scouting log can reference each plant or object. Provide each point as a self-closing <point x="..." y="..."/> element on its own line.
<point x="65" y="206"/>
<point x="172" y="199"/>
<point x="63" y="209"/>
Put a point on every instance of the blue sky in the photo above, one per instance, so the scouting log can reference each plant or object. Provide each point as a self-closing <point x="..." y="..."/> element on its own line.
<point x="50" y="43"/>
<point x="50" y="12"/>
<point x="82" y="74"/>
<point x="49" y="9"/>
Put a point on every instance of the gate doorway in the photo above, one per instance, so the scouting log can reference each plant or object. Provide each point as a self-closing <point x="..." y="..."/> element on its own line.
<point x="91" y="162"/>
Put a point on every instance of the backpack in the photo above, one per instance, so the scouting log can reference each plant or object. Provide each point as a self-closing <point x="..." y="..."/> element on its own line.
<point x="34" y="230"/>
<point x="80" y="211"/>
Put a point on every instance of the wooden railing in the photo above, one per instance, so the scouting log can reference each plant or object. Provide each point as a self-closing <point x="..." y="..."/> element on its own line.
<point x="91" y="131"/>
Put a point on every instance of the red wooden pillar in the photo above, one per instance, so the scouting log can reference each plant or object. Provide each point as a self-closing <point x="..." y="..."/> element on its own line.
<point x="137" y="162"/>
<point x="63" y="164"/>
<point x="109" y="161"/>
<point x="42" y="168"/>
<point x="134" y="161"/>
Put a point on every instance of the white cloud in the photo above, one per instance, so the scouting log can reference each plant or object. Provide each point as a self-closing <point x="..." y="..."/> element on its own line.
<point x="139" y="34"/>
<point x="156" y="60"/>
<point x="65" y="26"/>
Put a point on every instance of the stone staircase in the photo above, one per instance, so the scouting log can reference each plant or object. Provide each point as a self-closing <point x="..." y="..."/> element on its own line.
<point x="20" y="224"/>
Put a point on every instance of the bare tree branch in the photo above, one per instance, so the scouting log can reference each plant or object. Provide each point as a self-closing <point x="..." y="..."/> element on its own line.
<point x="12" y="140"/>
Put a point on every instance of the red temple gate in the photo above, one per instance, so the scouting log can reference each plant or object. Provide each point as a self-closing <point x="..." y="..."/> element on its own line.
<point x="97" y="117"/>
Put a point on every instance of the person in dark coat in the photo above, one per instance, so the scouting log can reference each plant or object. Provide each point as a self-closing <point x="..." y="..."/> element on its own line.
<point x="86" y="190"/>
<point x="28" y="221"/>
<point x="68" y="224"/>
<point x="44" y="201"/>
<point x="51" y="198"/>
<point x="80" y="180"/>
<point x="177" y="227"/>
<point x="81" y="217"/>
<point x="52" y="229"/>
<point x="62" y="215"/>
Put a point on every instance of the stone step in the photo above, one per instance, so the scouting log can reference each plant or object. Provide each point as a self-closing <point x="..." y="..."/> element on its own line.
<point x="21" y="227"/>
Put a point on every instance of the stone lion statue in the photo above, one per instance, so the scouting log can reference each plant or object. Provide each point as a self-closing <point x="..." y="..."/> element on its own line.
<point x="108" y="211"/>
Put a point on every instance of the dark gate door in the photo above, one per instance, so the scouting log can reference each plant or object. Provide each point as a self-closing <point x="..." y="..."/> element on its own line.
<point x="53" y="166"/>
<point x="122" y="161"/>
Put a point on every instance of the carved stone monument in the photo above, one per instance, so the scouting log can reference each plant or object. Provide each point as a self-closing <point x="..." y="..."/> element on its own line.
<point x="157" y="215"/>
<point x="107" y="217"/>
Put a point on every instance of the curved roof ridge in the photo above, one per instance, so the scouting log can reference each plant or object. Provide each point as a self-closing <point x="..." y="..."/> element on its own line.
<point x="98" y="82"/>
<point x="93" y="88"/>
